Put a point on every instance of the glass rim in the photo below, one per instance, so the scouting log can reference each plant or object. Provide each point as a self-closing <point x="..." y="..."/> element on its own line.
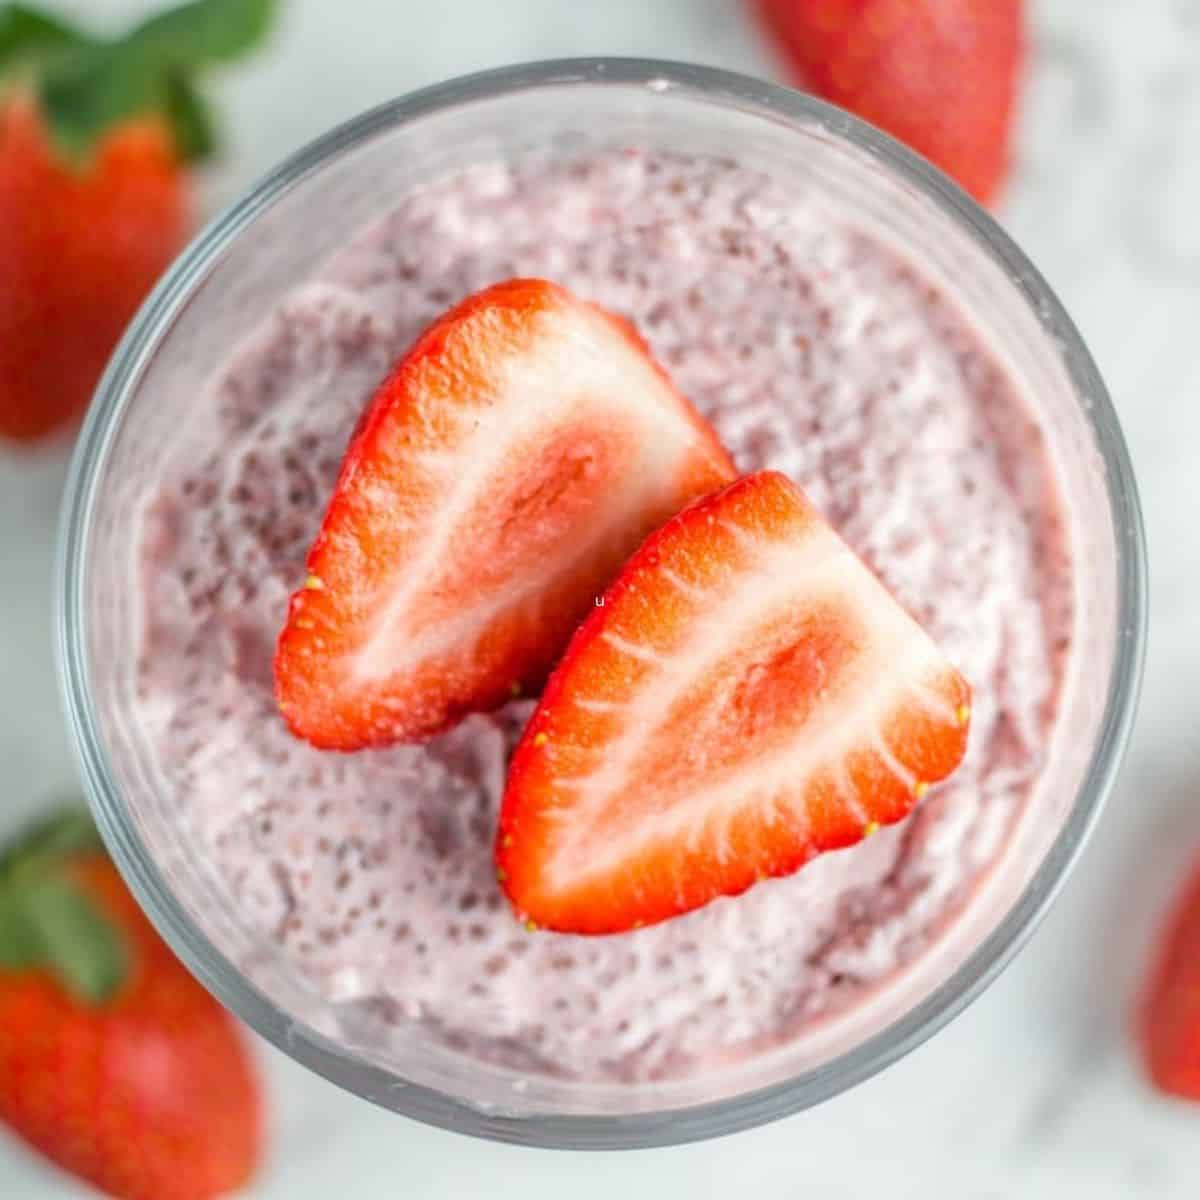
<point x="595" y="1131"/>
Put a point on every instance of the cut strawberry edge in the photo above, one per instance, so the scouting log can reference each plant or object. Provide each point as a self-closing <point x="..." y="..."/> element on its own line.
<point x="642" y="789"/>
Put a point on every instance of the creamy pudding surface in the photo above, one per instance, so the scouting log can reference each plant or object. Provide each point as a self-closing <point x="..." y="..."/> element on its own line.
<point x="814" y="349"/>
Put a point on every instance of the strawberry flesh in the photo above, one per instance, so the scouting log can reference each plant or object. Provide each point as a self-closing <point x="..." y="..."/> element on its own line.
<point x="748" y="696"/>
<point x="509" y="464"/>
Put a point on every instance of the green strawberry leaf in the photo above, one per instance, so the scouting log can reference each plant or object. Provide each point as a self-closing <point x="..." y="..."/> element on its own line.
<point x="85" y="94"/>
<point x="88" y="86"/>
<point x="27" y="35"/>
<point x="46" y="843"/>
<point x="77" y="943"/>
<point x="20" y="946"/>
<point x="49" y="922"/>
<point x="191" y="121"/>
<point x="207" y="31"/>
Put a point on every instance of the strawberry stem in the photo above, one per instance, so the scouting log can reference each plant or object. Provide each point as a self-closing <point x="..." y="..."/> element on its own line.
<point x="47" y="843"/>
<point x="48" y="922"/>
<point x="89" y="85"/>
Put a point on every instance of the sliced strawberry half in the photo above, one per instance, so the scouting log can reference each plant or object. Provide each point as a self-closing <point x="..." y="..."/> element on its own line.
<point x="514" y="458"/>
<point x="748" y="696"/>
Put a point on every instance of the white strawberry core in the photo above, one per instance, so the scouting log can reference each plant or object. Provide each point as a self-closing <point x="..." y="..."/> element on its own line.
<point x="605" y="413"/>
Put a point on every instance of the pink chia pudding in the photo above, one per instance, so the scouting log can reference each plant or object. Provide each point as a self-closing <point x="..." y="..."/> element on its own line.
<point x="814" y="349"/>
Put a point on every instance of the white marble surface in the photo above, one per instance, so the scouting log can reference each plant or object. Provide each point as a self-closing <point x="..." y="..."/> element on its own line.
<point x="1032" y="1093"/>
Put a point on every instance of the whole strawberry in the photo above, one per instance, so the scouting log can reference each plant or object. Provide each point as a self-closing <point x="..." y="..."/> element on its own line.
<point x="114" y="1062"/>
<point x="1168" y="1027"/>
<point x="940" y="75"/>
<point x="96" y="141"/>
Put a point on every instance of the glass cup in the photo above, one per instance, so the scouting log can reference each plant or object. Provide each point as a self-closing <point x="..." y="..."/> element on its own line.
<point x="272" y="241"/>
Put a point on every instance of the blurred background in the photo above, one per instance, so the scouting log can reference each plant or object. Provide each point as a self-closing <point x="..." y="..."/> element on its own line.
<point x="1034" y="1092"/>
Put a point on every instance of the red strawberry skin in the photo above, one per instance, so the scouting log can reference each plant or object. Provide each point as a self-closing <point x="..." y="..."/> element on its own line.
<point x="514" y="458"/>
<point x="152" y="1096"/>
<point x="1168" y="1026"/>
<point x="747" y="696"/>
<point x="79" y="250"/>
<point x="97" y="134"/>
<point x="940" y="75"/>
